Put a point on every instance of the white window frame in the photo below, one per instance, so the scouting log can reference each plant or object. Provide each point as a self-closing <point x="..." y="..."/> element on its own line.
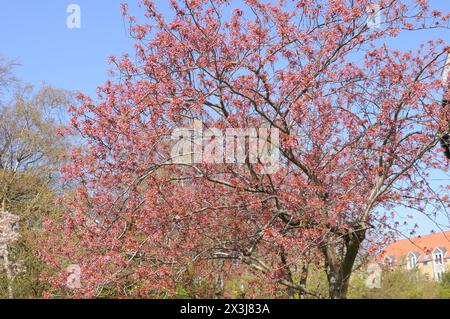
<point x="412" y="260"/>
<point x="388" y="261"/>
<point x="437" y="252"/>
<point x="438" y="263"/>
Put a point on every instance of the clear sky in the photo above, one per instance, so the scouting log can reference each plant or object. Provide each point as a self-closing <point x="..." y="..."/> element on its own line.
<point x="34" y="32"/>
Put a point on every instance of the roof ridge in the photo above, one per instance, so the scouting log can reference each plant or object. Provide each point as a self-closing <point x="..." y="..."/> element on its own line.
<point x="445" y="233"/>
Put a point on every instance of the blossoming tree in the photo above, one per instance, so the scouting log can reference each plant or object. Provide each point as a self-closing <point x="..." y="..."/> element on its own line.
<point x="359" y="122"/>
<point x="8" y="235"/>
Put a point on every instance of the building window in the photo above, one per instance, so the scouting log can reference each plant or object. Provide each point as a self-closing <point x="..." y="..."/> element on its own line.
<point x="438" y="263"/>
<point x="438" y="258"/>
<point x="389" y="261"/>
<point x="412" y="260"/>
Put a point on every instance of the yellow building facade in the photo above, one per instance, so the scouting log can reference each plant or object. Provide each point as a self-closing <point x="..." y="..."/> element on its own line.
<point x="429" y="254"/>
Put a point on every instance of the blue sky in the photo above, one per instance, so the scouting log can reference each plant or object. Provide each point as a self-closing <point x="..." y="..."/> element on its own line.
<point x="35" y="34"/>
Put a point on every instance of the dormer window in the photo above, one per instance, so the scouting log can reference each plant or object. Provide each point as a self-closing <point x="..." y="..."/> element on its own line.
<point x="426" y="259"/>
<point x="438" y="257"/>
<point x="412" y="260"/>
<point x="389" y="260"/>
<point x="438" y="262"/>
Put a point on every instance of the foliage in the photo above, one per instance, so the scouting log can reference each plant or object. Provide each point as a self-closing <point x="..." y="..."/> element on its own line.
<point x="399" y="284"/>
<point x="358" y="123"/>
<point x="31" y="152"/>
<point x="445" y="286"/>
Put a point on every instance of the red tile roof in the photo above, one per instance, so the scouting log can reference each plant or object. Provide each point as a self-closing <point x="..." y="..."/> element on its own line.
<point x="422" y="245"/>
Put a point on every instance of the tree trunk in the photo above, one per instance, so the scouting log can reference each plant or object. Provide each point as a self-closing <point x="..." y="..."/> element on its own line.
<point x="303" y="278"/>
<point x="339" y="270"/>
<point x="287" y="274"/>
<point x="338" y="287"/>
<point x="8" y="274"/>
